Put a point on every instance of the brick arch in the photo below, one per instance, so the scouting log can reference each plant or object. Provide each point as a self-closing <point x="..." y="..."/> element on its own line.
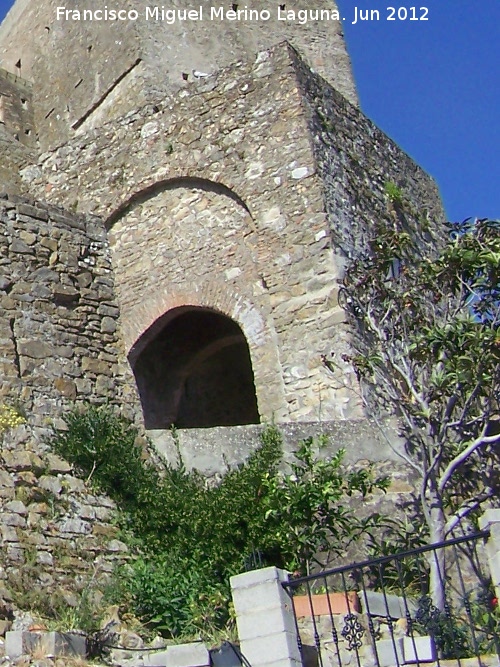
<point x="193" y="369"/>
<point x="191" y="244"/>
<point x="161" y="185"/>
<point x="158" y="309"/>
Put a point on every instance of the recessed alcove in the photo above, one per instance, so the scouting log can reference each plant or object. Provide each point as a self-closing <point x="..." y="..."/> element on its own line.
<point x="193" y="369"/>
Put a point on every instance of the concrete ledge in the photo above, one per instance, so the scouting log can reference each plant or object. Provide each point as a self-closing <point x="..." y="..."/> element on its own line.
<point x="51" y="644"/>
<point x="180" y="655"/>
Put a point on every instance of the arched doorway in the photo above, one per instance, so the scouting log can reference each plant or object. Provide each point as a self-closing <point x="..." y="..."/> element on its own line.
<point x="193" y="370"/>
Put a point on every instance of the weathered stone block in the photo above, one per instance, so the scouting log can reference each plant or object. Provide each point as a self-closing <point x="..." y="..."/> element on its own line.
<point x="389" y="652"/>
<point x="158" y="659"/>
<point x="419" y="649"/>
<point x="260" y="624"/>
<point x="271" y="648"/>
<point x="378" y="604"/>
<point x="188" y="655"/>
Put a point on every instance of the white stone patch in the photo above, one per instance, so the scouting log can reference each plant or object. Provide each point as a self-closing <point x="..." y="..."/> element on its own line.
<point x="284" y="260"/>
<point x="300" y="172"/>
<point x="251" y="322"/>
<point x="149" y="129"/>
<point x="232" y="273"/>
<point x="299" y="372"/>
<point x="262" y="56"/>
<point x="273" y="219"/>
<point x="277" y="180"/>
<point x="262" y="70"/>
<point x="255" y="170"/>
<point x="320" y="235"/>
<point x="234" y="137"/>
<point x="30" y="173"/>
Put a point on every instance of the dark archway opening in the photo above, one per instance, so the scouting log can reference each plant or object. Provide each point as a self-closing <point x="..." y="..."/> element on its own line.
<point x="194" y="370"/>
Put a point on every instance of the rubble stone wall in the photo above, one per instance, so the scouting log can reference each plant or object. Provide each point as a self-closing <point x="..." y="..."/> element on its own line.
<point x="232" y="195"/>
<point x="88" y="71"/>
<point x="59" y="347"/>
<point x="212" y="199"/>
<point x="59" y="342"/>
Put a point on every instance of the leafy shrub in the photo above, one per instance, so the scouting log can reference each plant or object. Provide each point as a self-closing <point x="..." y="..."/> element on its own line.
<point x="192" y="537"/>
<point x="310" y="523"/>
<point x="101" y="445"/>
<point x="173" y="594"/>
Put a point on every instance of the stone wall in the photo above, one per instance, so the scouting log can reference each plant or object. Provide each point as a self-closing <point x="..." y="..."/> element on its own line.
<point x="88" y="71"/>
<point x="59" y="347"/>
<point x="17" y="132"/>
<point x="14" y="156"/>
<point x="59" y="342"/>
<point x="232" y="196"/>
<point x="356" y="160"/>
<point x="16" y="108"/>
<point x="58" y="541"/>
<point x="216" y="450"/>
<point x="204" y="211"/>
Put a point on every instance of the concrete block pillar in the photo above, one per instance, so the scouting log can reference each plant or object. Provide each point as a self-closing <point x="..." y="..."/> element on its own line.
<point x="265" y="619"/>
<point x="490" y="520"/>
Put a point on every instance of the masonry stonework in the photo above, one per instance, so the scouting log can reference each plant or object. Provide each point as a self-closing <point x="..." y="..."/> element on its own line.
<point x="206" y="212"/>
<point x="59" y="327"/>
<point x="59" y="346"/>
<point x="88" y="71"/>
<point x="176" y="228"/>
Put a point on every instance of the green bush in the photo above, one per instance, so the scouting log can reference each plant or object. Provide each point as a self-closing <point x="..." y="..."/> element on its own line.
<point x="191" y="537"/>
<point x="173" y="594"/>
<point x="102" y="446"/>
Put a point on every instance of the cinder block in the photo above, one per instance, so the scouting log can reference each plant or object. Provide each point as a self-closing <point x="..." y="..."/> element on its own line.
<point x="495" y="568"/>
<point x="257" y="624"/>
<point x="268" y="595"/>
<point x="272" y="648"/>
<point x="378" y="604"/>
<point x="258" y="577"/>
<point x="188" y="655"/>
<point x="67" y="643"/>
<point x="418" y="649"/>
<point x="284" y="663"/>
<point x="389" y="652"/>
<point x="14" y="643"/>
<point x="489" y="517"/>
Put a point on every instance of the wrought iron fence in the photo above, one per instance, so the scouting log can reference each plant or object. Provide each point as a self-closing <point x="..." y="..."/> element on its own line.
<point x="430" y="604"/>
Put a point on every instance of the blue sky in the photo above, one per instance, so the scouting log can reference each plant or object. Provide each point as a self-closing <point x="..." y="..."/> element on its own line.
<point x="434" y="87"/>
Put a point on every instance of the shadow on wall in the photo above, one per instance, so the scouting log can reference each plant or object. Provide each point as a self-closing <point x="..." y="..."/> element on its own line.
<point x="193" y="370"/>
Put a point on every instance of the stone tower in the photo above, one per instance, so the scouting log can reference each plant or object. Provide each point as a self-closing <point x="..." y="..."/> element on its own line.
<point x="89" y="71"/>
<point x="232" y="173"/>
<point x="179" y="203"/>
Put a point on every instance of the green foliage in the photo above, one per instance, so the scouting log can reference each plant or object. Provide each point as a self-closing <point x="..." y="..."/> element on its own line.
<point x="427" y="346"/>
<point x="409" y="575"/>
<point x="191" y="537"/>
<point x="470" y="630"/>
<point x="310" y="523"/>
<point x="451" y="637"/>
<point x="102" y="446"/>
<point x="174" y="594"/>
<point x="394" y="193"/>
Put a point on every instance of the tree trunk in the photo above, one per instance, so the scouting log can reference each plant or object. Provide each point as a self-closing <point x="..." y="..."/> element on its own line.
<point x="437" y="525"/>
